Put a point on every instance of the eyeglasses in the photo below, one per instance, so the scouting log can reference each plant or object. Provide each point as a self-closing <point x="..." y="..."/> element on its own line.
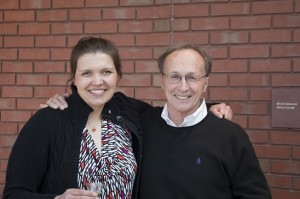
<point x="176" y="78"/>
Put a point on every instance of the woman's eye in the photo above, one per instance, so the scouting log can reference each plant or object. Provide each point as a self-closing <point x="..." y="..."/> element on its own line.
<point x="106" y="73"/>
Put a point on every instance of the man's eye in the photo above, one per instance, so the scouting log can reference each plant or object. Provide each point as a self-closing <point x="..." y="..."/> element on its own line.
<point x="86" y="73"/>
<point x="175" y="77"/>
<point x="191" y="78"/>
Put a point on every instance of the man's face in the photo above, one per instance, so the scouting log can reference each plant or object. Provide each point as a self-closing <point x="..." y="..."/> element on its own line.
<point x="182" y="98"/>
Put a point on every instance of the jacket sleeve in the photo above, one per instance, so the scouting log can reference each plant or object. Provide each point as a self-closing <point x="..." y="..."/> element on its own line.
<point x="28" y="160"/>
<point x="248" y="179"/>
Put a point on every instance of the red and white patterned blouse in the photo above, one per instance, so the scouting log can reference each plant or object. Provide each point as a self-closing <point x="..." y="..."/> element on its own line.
<point x="115" y="168"/>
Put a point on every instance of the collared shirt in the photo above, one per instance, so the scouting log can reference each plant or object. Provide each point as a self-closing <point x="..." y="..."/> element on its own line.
<point x="189" y="120"/>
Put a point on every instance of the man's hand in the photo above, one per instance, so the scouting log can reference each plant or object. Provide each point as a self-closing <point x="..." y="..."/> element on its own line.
<point x="56" y="102"/>
<point x="222" y="111"/>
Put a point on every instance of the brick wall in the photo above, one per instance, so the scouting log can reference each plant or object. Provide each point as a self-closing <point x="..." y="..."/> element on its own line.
<point x="255" y="47"/>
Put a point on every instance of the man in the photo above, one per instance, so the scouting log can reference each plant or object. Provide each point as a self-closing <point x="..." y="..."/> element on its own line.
<point x="188" y="152"/>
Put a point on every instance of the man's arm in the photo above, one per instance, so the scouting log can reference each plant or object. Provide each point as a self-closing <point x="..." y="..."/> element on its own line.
<point x="220" y="110"/>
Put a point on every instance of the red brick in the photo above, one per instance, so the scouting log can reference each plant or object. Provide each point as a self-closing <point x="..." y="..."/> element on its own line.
<point x="34" y="28"/>
<point x="162" y="25"/>
<point x="46" y="92"/>
<point x="19" y="66"/>
<point x="8" y="54"/>
<point x="285" y="167"/>
<point x="104" y="3"/>
<point x="4" y="154"/>
<point x="7" y="79"/>
<point x="58" y="79"/>
<point x="196" y="10"/>
<point x="260" y="122"/>
<point x="19" y="41"/>
<point x="271" y="36"/>
<point x="250" y="108"/>
<point x="270" y="65"/>
<point x="135" y="80"/>
<point x="240" y="120"/>
<point x="11" y="4"/>
<point x="286" y="79"/>
<point x="181" y="24"/>
<point x="85" y="14"/>
<point x="67" y="4"/>
<point x="118" y="13"/>
<point x="296" y="152"/>
<point x="146" y="67"/>
<point x="100" y="27"/>
<point x="229" y="37"/>
<point x="231" y="65"/>
<point x="52" y="15"/>
<point x="291" y="50"/>
<point x="209" y="23"/>
<point x="127" y="91"/>
<point x="227" y="94"/>
<point x="50" y="67"/>
<point x="285" y="21"/>
<point x="241" y="8"/>
<point x="249" y="80"/>
<point x="32" y="79"/>
<point x="19" y="15"/>
<point x="296" y="183"/>
<point x="279" y="181"/>
<point x="218" y="52"/>
<point x="50" y="41"/>
<point x="15" y="116"/>
<point x="149" y="93"/>
<point x="158" y="12"/>
<point x="273" y="152"/>
<point x="136" y="2"/>
<point x="260" y="94"/>
<point x="17" y="91"/>
<point x="198" y="37"/>
<point x="59" y="54"/>
<point x="250" y="22"/>
<point x="128" y="66"/>
<point x="154" y="39"/>
<point x="7" y="141"/>
<point x="263" y="7"/>
<point x="135" y="26"/>
<point x="67" y="28"/>
<point x="157" y="80"/>
<point x="285" y="137"/>
<point x="34" y="54"/>
<point x="251" y="51"/>
<point x="35" y="4"/>
<point x="29" y="104"/>
<point x="296" y="37"/>
<point x="296" y="64"/>
<point x="218" y="80"/>
<point x="7" y="103"/>
<point x="8" y="29"/>
<point x="136" y="53"/>
<point x="257" y="136"/>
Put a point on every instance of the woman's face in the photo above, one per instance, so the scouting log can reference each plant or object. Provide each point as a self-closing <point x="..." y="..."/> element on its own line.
<point x="96" y="79"/>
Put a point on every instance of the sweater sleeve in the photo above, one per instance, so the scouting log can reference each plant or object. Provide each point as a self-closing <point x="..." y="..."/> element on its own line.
<point x="248" y="180"/>
<point x="28" y="160"/>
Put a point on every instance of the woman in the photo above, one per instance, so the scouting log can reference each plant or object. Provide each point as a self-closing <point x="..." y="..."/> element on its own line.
<point x="96" y="139"/>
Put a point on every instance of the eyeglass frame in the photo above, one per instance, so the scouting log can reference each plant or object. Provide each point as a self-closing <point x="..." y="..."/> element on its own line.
<point x="185" y="77"/>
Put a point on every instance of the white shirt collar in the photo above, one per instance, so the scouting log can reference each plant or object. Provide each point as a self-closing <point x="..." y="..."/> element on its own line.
<point x="189" y="120"/>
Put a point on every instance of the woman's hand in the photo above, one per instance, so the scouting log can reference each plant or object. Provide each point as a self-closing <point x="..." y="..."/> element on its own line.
<point x="56" y="102"/>
<point x="222" y="111"/>
<point x="77" y="194"/>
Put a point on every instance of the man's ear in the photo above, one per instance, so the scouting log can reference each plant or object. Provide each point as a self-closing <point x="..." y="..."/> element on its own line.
<point x="205" y="84"/>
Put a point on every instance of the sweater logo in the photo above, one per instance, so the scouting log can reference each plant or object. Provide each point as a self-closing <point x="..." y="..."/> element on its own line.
<point x="198" y="161"/>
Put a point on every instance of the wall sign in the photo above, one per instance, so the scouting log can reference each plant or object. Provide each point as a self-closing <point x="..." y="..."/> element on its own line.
<point x="286" y="107"/>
